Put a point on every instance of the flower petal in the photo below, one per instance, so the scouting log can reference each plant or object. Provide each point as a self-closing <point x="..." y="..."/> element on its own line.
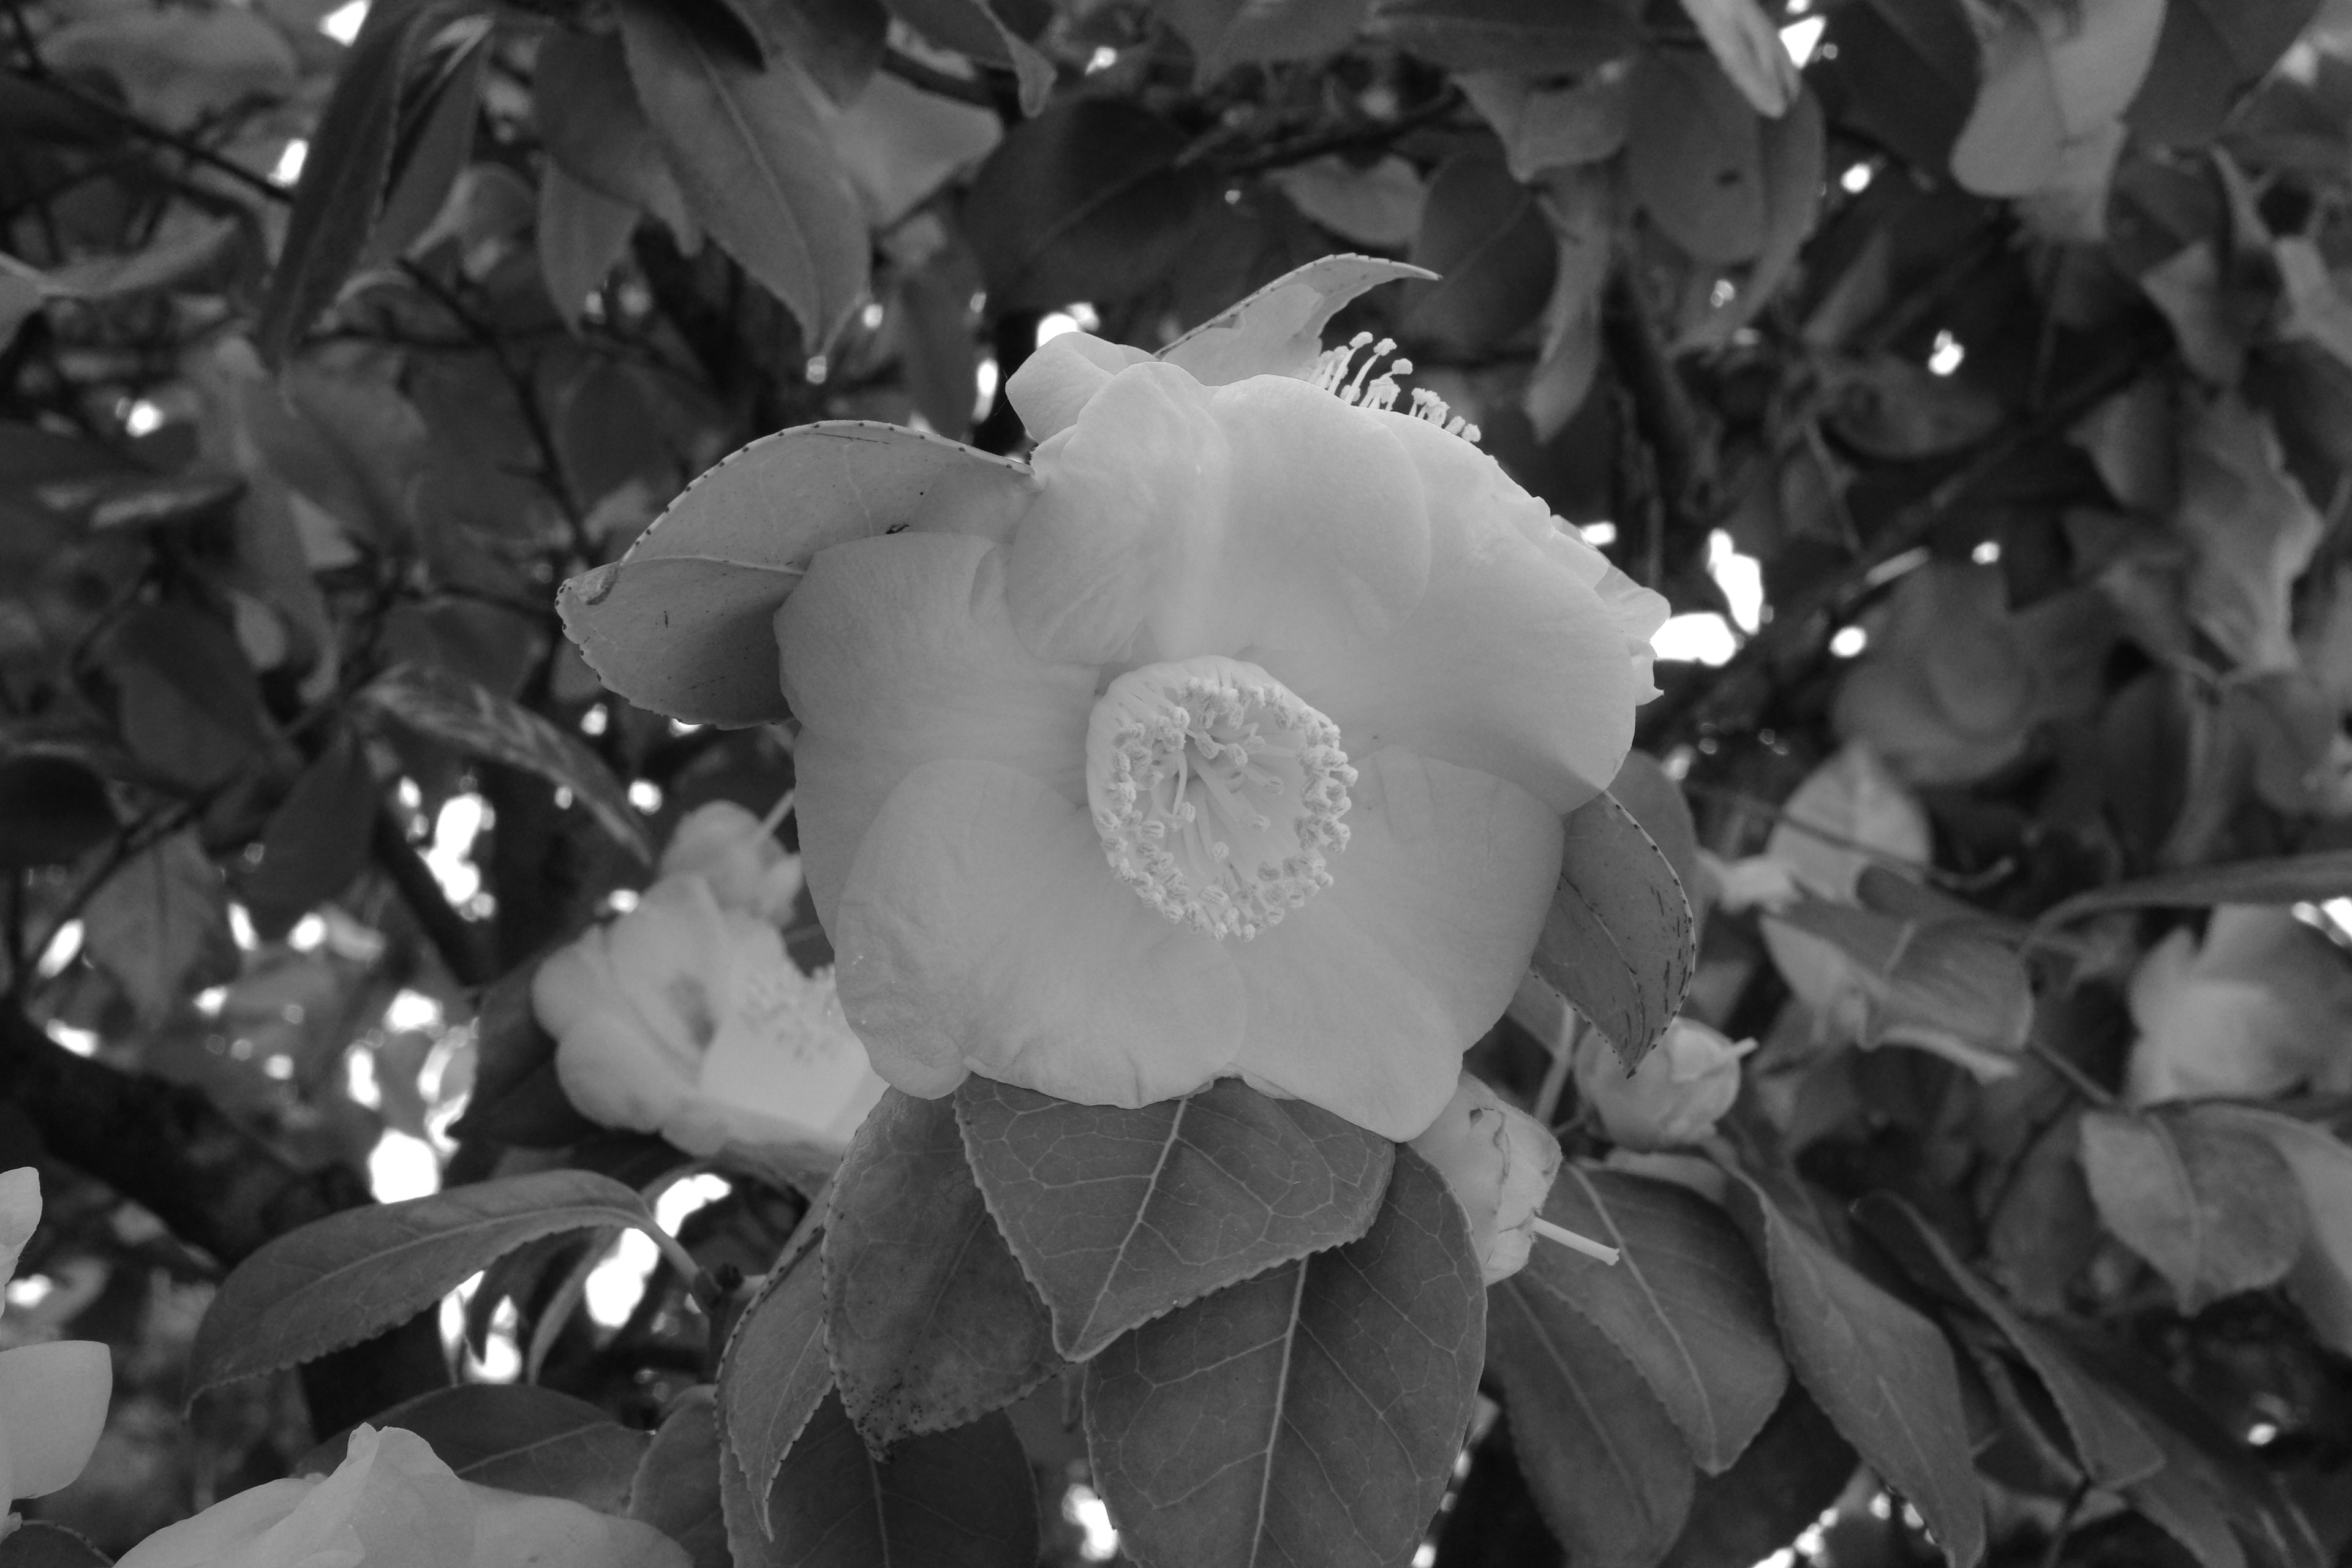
<point x="898" y="651"/>
<point x="227" y="1526"/>
<point x="1126" y="509"/>
<point x="1363" y="1001"/>
<point x="1512" y="665"/>
<point x="982" y="931"/>
<point x="515" y="1530"/>
<point x="785" y="1062"/>
<point x="1055" y="381"/>
<point x="52" y="1407"/>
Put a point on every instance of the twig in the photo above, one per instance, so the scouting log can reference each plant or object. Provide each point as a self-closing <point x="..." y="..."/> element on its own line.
<point x="2081" y="1082"/>
<point x="458" y="943"/>
<point x="1352" y="140"/>
<point x="2056" y="1547"/>
<point x="194" y="151"/>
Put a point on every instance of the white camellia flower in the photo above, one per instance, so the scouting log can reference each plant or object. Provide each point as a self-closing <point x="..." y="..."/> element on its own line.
<point x="393" y="1503"/>
<point x="1676" y="1097"/>
<point x="53" y="1397"/>
<point x="1499" y="1162"/>
<point x="687" y="1018"/>
<point x="2262" y="1006"/>
<point x="738" y="854"/>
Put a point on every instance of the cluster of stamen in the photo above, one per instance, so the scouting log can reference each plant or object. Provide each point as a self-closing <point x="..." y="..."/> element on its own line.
<point x="1217" y="792"/>
<point x="1350" y="380"/>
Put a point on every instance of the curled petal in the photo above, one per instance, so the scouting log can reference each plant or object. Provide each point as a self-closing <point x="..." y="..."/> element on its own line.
<point x="981" y="930"/>
<point x="1055" y="381"/>
<point x="20" y="1212"/>
<point x="1363" y="1001"/>
<point x="897" y="652"/>
<point x="52" y="1408"/>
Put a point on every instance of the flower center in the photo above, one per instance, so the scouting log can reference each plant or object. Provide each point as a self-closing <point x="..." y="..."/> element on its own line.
<point x="1217" y="792"/>
<point x="1331" y="373"/>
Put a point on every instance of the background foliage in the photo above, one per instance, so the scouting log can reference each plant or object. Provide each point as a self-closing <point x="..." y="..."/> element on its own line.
<point x="1986" y="395"/>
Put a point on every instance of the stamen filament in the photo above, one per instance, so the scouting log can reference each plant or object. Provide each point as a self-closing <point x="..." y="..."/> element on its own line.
<point x="1573" y="1242"/>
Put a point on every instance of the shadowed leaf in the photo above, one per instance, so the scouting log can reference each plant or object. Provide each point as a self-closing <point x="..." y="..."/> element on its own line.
<point x="775" y="1369"/>
<point x="2212" y="1207"/>
<point x="1619" y="940"/>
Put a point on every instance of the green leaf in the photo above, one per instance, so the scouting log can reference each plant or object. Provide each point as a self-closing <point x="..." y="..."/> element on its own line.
<point x="774" y="1371"/>
<point x="36" y="1543"/>
<point x="160" y="925"/>
<point x="1486" y="241"/>
<point x="594" y="129"/>
<point x="1948" y="986"/>
<point x="2211" y="1206"/>
<point x="1879" y="1370"/>
<point x="1909" y="69"/>
<point x="958" y="1499"/>
<point x="340" y="193"/>
<point x="751" y="155"/>
<point x="684" y="624"/>
<point x="1541" y="37"/>
<point x="928" y="1319"/>
<point x="1309" y="1414"/>
<point x="1580" y="204"/>
<point x="436" y="140"/>
<point x="2321" y="1280"/>
<point x="1787" y="1478"/>
<point x="2287" y="880"/>
<point x="1686" y="1303"/>
<point x="347" y="1277"/>
<point x="53" y="810"/>
<point x="1085" y="201"/>
<point x="583" y="234"/>
<point x="1117" y="1215"/>
<point x="187" y="700"/>
<point x="473" y="718"/>
<point x="1278" y="330"/>
<point x="2208" y="53"/>
<point x="1695" y="156"/>
<point x="1894" y="408"/>
<point x="1794" y="153"/>
<point x="974" y="28"/>
<point x="516" y="1097"/>
<point x="2052" y="79"/>
<point x="516" y="1437"/>
<point x="678" y="1487"/>
<point x="2113" y="1448"/>
<point x="1619" y="941"/>
<point x="1227" y="33"/>
<point x="316" y="841"/>
<point x="1607" y="1468"/>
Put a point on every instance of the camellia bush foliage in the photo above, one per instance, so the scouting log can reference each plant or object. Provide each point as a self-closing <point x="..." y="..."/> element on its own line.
<point x="598" y="603"/>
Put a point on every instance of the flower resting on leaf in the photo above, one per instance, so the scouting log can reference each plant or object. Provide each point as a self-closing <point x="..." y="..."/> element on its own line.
<point x="2261" y="1006"/>
<point x="53" y="1397"/>
<point x="1242" y="747"/>
<point x="1674" y="1099"/>
<point x="393" y="1503"/>
<point x="687" y="1017"/>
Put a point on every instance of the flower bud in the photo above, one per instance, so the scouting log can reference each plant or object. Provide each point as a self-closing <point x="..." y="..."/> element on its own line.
<point x="1499" y="1162"/>
<point x="1674" y="1097"/>
<point x="738" y="854"/>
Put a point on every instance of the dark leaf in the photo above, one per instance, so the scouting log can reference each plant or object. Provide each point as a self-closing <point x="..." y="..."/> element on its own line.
<point x="1787" y="1478"/>
<point x="425" y="164"/>
<point x="958" y="1499"/>
<point x="2289" y="880"/>
<point x="1794" y="151"/>
<point x="1539" y="37"/>
<point x="1619" y="942"/>
<point x="187" y="700"/>
<point x="752" y="156"/>
<point x="53" y="810"/>
<point x="1686" y="1303"/>
<point x="2112" y="1447"/>
<point x="776" y="1371"/>
<point x="1082" y="203"/>
<point x="160" y="925"/>
<point x="1909" y="70"/>
<point x="1654" y="801"/>
<point x="516" y="1437"/>
<point x="516" y="1097"/>
<point x="583" y="234"/>
<point x="471" y="718"/>
<point x="838" y="42"/>
<point x="684" y="624"/>
<point x="2209" y="53"/>
<point x="1879" y="1370"/>
<point x="1226" y="33"/>
<point x="36" y="1543"/>
<point x="677" y="1489"/>
<point x="1695" y="156"/>
<point x="2212" y="1206"/>
<point x="974" y="27"/>
<point x="1121" y="1215"/>
<point x="1600" y="1455"/>
<point x="316" y="841"/>
<point x="1309" y="1414"/>
<point x="1493" y="251"/>
<point x="344" y="1278"/>
<point x="928" y="1319"/>
<point x="343" y="178"/>
<point x="594" y="128"/>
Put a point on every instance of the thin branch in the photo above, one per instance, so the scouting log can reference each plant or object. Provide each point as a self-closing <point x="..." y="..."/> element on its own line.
<point x="460" y="944"/>
<point x="146" y="129"/>
<point x="1355" y="139"/>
